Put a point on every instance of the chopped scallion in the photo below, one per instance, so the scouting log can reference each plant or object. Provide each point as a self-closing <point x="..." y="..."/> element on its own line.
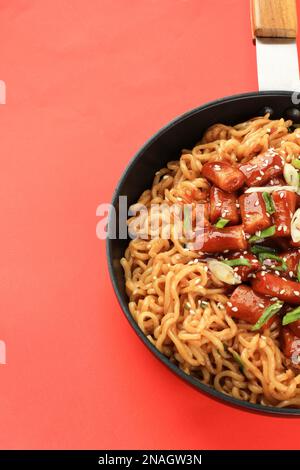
<point x="268" y="313"/>
<point x="262" y="249"/>
<point x="237" y="359"/>
<point x="268" y="202"/>
<point x="264" y="256"/>
<point x="221" y="223"/>
<point x="237" y="262"/>
<point x="296" y="163"/>
<point x="291" y="316"/>
<point x="268" y="232"/>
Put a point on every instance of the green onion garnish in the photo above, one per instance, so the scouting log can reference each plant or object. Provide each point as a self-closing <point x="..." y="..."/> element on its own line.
<point x="268" y="202"/>
<point x="261" y="249"/>
<point x="221" y="223"/>
<point x="237" y="359"/>
<point x="298" y="272"/>
<point x="268" y="313"/>
<point x="268" y="232"/>
<point x="237" y="262"/>
<point x="291" y="316"/>
<point x="296" y="163"/>
<point x="263" y="256"/>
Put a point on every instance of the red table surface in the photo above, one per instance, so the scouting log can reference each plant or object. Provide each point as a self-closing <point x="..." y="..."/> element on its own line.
<point x="87" y="83"/>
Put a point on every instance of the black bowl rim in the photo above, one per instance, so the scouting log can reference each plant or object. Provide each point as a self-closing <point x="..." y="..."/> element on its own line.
<point x="206" y="389"/>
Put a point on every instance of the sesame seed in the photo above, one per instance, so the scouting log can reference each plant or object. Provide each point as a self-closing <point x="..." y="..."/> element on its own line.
<point x="282" y="291"/>
<point x="263" y="273"/>
<point x="226" y="251"/>
<point x="234" y="309"/>
<point x="256" y="203"/>
<point x="229" y="304"/>
<point x="291" y="274"/>
<point x="277" y="167"/>
<point x="192" y="312"/>
<point x="297" y="293"/>
<point x="258" y="178"/>
<point x="274" y="299"/>
<point x="261" y="172"/>
<point x="261" y="305"/>
<point x="217" y="167"/>
<point x="277" y="272"/>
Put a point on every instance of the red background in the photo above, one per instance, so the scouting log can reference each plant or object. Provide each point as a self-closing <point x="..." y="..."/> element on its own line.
<point x="87" y="83"/>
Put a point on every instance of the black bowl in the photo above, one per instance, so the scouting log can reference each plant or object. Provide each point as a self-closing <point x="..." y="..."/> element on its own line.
<point x="165" y="145"/>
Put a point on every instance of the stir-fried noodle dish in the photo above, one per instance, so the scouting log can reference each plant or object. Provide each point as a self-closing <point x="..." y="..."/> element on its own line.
<point x="212" y="270"/>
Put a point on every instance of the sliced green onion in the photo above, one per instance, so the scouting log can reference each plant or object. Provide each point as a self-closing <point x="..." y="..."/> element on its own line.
<point x="291" y="316"/>
<point x="237" y="262"/>
<point x="268" y="202"/>
<point x="296" y="163"/>
<point x="298" y="272"/>
<point x="268" y="313"/>
<point x="262" y="249"/>
<point x="263" y="256"/>
<point x="221" y="223"/>
<point x="237" y="359"/>
<point x="268" y="232"/>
